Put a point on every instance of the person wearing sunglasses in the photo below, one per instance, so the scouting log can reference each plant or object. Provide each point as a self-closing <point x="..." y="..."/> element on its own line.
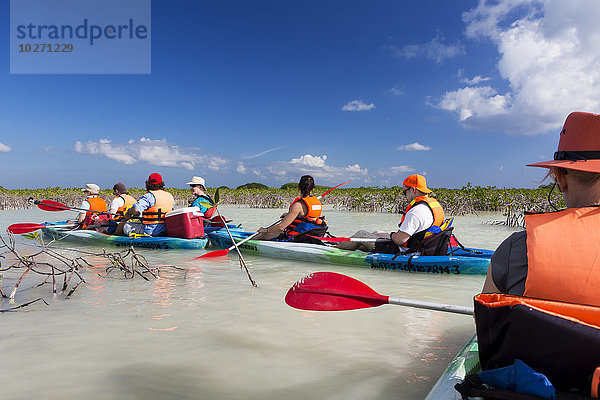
<point x="423" y="215"/>
<point x="198" y="189"/>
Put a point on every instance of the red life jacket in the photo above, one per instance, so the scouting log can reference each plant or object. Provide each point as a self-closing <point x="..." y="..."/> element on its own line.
<point x="92" y="218"/>
<point x="314" y="207"/>
<point x="164" y="203"/>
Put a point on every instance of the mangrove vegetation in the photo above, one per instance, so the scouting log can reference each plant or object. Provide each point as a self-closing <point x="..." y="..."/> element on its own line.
<point x="511" y="202"/>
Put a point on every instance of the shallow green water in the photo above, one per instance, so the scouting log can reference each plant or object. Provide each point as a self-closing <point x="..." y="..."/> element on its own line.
<point x="205" y="332"/>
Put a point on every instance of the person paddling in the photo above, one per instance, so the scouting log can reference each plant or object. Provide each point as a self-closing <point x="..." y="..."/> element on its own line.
<point x="422" y="219"/>
<point x="91" y="203"/>
<point x="305" y="214"/>
<point x="198" y="189"/>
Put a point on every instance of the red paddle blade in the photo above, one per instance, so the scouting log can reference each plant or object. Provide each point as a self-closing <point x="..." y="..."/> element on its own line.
<point x="331" y="239"/>
<point x="216" y="253"/>
<point x="330" y="291"/>
<point x="453" y="242"/>
<point x="51" y="205"/>
<point x="18" y="229"/>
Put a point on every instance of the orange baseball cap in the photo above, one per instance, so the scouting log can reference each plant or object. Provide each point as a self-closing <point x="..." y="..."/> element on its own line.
<point x="418" y="182"/>
<point x="579" y="144"/>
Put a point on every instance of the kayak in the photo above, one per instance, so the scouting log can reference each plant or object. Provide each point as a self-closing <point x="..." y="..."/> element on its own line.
<point x="467" y="261"/>
<point x="147" y="242"/>
<point x="465" y="363"/>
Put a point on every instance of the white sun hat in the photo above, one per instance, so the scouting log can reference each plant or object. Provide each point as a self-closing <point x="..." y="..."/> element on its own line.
<point x="197" y="180"/>
<point x="91" y="188"/>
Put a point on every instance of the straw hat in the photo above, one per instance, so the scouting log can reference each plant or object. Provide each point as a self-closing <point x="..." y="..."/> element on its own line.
<point x="91" y="188"/>
<point x="579" y="144"/>
<point x="197" y="180"/>
<point x="418" y="182"/>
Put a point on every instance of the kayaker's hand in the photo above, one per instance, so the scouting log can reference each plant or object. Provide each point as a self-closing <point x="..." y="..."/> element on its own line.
<point x="262" y="230"/>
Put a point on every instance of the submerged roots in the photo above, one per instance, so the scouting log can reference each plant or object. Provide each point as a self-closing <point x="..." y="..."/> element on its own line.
<point x="57" y="266"/>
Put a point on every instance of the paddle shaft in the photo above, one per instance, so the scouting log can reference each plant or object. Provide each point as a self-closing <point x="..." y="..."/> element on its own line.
<point x="249" y="237"/>
<point x="453" y="308"/>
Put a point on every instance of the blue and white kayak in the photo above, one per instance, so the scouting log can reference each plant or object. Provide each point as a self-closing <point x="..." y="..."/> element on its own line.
<point x="465" y="262"/>
<point x="146" y="242"/>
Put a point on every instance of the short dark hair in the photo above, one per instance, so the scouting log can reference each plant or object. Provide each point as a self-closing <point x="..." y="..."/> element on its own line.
<point x="155" y="186"/>
<point x="306" y="185"/>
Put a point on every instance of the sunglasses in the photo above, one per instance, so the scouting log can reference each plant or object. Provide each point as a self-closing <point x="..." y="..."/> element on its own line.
<point x="404" y="191"/>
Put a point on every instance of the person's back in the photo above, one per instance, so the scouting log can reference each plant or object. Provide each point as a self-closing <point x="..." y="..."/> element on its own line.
<point x="541" y="299"/>
<point x="95" y="210"/>
<point x="151" y="210"/>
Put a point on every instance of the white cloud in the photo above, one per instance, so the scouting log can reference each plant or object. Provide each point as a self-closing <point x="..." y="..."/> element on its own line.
<point x="416" y="146"/>
<point x="476" y="80"/>
<point x="240" y="168"/>
<point x="548" y="56"/>
<point x="310" y="161"/>
<point x="153" y="152"/>
<point x="317" y="167"/>
<point x="435" y="50"/>
<point x="358" y="105"/>
<point x="4" y="148"/>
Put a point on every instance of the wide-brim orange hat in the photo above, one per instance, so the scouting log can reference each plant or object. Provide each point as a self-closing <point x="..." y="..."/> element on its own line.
<point x="579" y="144"/>
<point x="418" y="182"/>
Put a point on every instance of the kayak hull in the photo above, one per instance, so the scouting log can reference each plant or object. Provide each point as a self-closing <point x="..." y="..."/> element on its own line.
<point x="441" y="265"/>
<point x="465" y="363"/>
<point x="145" y="242"/>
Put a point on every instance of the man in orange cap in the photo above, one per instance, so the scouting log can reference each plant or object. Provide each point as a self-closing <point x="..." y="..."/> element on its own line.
<point x="423" y="212"/>
<point x="152" y="207"/>
<point x="563" y="244"/>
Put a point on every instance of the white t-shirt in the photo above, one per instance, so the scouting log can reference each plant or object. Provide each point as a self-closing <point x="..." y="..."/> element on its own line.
<point x="116" y="204"/>
<point x="418" y="218"/>
<point x="85" y="205"/>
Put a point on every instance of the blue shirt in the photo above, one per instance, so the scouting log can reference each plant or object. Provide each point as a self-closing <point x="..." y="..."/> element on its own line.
<point x="197" y="200"/>
<point x="144" y="203"/>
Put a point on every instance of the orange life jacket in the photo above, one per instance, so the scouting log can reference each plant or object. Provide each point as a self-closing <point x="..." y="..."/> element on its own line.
<point x="314" y="207"/>
<point x="91" y="218"/>
<point x="164" y="203"/>
<point x="129" y="201"/>
<point x="563" y="253"/>
<point x="438" y="218"/>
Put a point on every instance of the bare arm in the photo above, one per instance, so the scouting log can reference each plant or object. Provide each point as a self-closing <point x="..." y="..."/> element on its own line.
<point x="400" y="237"/>
<point x="489" y="286"/>
<point x="288" y="218"/>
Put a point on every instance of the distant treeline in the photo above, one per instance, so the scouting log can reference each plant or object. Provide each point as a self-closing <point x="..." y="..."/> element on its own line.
<point x="466" y="200"/>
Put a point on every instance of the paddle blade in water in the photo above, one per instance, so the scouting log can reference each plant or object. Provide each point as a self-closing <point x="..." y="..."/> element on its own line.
<point x="18" y="229"/>
<point x="216" y="253"/>
<point x="329" y="291"/>
<point x="51" y="205"/>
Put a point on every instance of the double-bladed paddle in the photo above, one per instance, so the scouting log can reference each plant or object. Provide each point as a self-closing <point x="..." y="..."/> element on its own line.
<point x="330" y="291"/>
<point x="51" y="205"/>
<point x="27" y="227"/>
<point x="220" y="253"/>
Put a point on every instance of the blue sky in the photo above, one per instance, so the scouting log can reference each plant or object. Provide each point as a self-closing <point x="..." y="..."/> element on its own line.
<point x="266" y="91"/>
